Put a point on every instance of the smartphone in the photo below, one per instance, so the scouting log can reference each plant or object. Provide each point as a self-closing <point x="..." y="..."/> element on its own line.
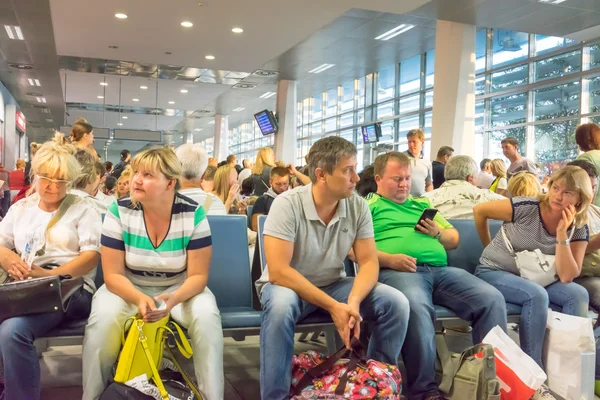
<point x="428" y="213"/>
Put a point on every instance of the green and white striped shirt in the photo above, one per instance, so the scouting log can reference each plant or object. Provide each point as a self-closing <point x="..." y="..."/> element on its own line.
<point x="166" y="265"/>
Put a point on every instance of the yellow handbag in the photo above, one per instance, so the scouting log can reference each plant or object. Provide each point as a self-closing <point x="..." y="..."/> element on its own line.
<point x="142" y="352"/>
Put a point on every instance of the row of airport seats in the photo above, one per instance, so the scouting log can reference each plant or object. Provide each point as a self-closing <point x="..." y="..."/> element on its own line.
<point x="230" y="281"/>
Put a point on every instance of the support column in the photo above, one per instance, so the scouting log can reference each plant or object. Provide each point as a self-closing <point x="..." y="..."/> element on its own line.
<point x="189" y="138"/>
<point x="285" y="138"/>
<point x="453" y="122"/>
<point x="221" y="137"/>
<point x="11" y="141"/>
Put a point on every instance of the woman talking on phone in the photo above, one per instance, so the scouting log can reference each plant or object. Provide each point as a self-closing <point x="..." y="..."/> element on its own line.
<point x="156" y="261"/>
<point x="554" y="223"/>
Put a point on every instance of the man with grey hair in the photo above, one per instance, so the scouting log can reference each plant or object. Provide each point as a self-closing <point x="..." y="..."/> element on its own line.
<point x="457" y="196"/>
<point x="194" y="161"/>
<point x="307" y="236"/>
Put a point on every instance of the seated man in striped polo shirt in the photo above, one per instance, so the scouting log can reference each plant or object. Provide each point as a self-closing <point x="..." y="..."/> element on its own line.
<point x="156" y="250"/>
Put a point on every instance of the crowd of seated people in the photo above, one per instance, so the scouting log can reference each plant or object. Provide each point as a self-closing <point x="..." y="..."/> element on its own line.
<point x="373" y="217"/>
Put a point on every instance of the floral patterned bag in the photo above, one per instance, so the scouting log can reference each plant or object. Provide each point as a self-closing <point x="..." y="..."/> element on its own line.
<point x="344" y="375"/>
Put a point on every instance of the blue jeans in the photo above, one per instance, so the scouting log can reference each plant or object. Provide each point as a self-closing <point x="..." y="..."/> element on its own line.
<point x="456" y="289"/>
<point x="568" y="298"/>
<point x="385" y="307"/>
<point x="19" y="363"/>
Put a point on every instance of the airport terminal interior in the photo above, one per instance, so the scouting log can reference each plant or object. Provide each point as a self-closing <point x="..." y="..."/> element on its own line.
<point x="236" y="76"/>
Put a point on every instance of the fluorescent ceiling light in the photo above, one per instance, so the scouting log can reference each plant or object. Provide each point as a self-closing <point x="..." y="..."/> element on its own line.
<point x="124" y="117"/>
<point x="395" y="32"/>
<point x="197" y="130"/>
<point x="37" y="82"/>
<point x="143" y="87"/>
<point x="41" y="99"/>
<point x="120" y="124"/>
<point x="100" y="97"/>
<point x="171" y="102"/>
<point x="14" y="32"/>
<point x="121" y="15"/>
<point x="267" y="95"/>
<point x="103" y="84"/>
<point x="187" y="24"/>
<point x="184" y="91"/>
<point x="552" y="1"/>
<point x="321" y="68"/>
<point x="212" y="122"/>
<point x="237" y="30"/>
<point x="136" y="100"/>
<point x="34" y="82"/>
<point x="238" y="109"/>
<point x="31" y="83"/>
<point x="209" y="57"/>
<point x="49" y="120"/>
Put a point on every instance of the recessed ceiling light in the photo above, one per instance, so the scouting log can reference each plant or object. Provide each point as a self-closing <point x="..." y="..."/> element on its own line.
<point x="121" y="15"/>
<point x="237" y="30"/>
<point x="395" y="32"/>
<point x="209" y="57"/>
<point x="41" y="99"/>
<point x="124" y="117"/>
<point x="143" y="87"/>
<point x="103" y="84"/>
<point x="34" y="82"/>
<point x="212" y="122"/>
<point x="14" y="32"/>
<point x="187" y="24"/>
<point x="197" y="130"/>
<point x="136" y="99"/>
<point x="552" y="1"/>
<point x="267" y="95"/>
<point x="238" y="109"/>
<point x="171" y="102"/>
<point x="100" y="97"/>
<point x="321" y="68"/>
<point x="184" y="91"/>
<point x="120" y="124"/>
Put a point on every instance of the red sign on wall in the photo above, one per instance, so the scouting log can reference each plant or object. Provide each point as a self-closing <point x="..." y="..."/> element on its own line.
<point x="20" y="121"/>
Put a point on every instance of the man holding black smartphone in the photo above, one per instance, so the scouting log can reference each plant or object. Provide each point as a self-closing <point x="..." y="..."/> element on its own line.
<point x="412" y="239"/>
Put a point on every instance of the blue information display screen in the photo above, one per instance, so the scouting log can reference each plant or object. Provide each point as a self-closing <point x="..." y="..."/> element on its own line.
<point x="369" y="134"/>
<point x="264" y="122"/>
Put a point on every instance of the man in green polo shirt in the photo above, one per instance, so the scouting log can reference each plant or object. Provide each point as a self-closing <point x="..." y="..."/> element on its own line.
<point x="415" y="262"/>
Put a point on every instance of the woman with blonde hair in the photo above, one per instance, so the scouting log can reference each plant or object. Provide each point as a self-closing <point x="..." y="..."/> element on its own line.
<point x="554" y="223"/>
<point x="86" y="184"/>
<point x="53" y="233"/>
<point x="524" y="184"/>
<point x="123" y="183"/>
<point x="261" y="173"/>
<point x="498" y="169"/>
<point x="587" y="137"/>
<point x="156" y="251"/>
<point x="226" y="187"/>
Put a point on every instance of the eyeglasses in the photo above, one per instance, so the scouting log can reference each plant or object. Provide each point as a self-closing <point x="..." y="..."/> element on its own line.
<point x="47" y="181"/>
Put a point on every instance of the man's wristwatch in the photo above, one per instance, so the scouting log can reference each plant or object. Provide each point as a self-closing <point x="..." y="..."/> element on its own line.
<point x="438" y="235"/>
<point x="563" y="242"/>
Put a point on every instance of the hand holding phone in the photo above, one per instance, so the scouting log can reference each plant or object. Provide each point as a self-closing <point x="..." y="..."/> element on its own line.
<point x="428" y="213"/>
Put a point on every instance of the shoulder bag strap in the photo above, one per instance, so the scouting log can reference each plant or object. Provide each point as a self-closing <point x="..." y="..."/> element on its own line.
<point x="448" y="368"/>
<point x="207" y="202"/>
<point x="186" y="378"/>
<point x="62" y="209"/>
<point x="156" y="377"/>
<point x="506" y="241"/>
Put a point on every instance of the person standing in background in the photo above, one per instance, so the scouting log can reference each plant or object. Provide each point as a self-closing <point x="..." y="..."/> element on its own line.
<point x="500" y="183"/>
<point x="261" y="173"/>
<point x="421" y="167"/>
<point x="17" y="178"/>
<point x="82" y="136"/>
<point x="120" y="167"/>
<point x="484" y="178"/>
<point x="437" y="167"/>
<point x="246" y="172"/>
<point x="587" y="137"/>
<point x="518" y="163"/>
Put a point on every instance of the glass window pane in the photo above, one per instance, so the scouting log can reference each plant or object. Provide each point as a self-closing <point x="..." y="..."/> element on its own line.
<point x="427" y="130"/>
<point x="428" y="100"/>
<point x="410" y="75"/>
<point x="385" y="84"/>
<point x="387" y="132"/>
<point x="429" y="64"/>
<point x="594" y="87"/>
<point x="347" y="120"/>
<point x="299" y="113"/>
<point x="508" y="110"/>
<point x="555" y="144"/>
<point x="348" y="96"/>
<point x="478" y="148"/>
<point x="509" y="46"/>
<point x="563" y="64"/>
<point x="361" y="92"/>
<point x="385" y="110"/>
<point x="360" y="116"/>
<point x="480" y="85"/>
<point x="557" y="101"/>
<point x="479" y="111"/>
<point x="332" y="100"/>
<point x="495" y="137"/>
<point x="306" y="110"/>
<point x="412" y="103"/>
<point x="544" y="44"/>
<point x="406" y="124"/>
<point x="348" y="134"/>
<point x="480" y="42"/>
<point x="317" y="108"/>
<point x="316" y="128"/>
<point x="509" y="77"/>
<point x="331" y="124"/>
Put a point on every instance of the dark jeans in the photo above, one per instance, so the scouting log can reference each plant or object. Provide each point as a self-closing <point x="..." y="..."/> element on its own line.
<point x="19" y="363"/>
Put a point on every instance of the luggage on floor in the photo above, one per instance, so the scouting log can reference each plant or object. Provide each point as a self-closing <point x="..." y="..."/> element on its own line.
<point x="469" y="375"/>
<point x="570" y="356"/>
<point x="344" y="375"/>
<point x="520" y="377"/>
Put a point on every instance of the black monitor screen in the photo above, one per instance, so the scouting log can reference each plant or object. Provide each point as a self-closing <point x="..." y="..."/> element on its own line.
<point x="369" y="133"/>
<point x="265" y="122"/>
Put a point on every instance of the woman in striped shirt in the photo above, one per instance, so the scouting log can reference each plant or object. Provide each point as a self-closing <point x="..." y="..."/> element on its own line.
<point x="156" y="248"/>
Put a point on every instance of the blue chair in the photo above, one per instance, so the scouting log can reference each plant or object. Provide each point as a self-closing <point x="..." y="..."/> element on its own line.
<point x="249" y="214"/>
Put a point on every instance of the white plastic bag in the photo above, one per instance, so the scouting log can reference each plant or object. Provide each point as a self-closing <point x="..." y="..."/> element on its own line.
<point x="570" y="356"/>
<point x="518" y="374"/>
